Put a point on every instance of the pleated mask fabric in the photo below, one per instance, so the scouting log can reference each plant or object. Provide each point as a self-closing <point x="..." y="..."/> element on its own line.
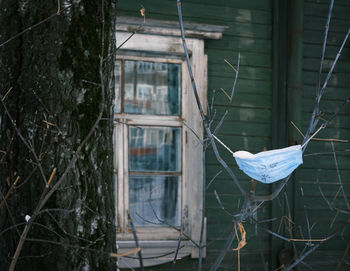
<point x="270" y="166"/>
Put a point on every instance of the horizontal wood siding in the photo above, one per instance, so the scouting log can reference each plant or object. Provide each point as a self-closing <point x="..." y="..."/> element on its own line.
<point x="248" y="123"/>
<point x="319" y="171"/>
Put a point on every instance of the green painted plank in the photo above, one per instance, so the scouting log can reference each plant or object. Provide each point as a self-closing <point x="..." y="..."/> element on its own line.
<point x="316" y="37"/>
<point x="213" y="168"/>
<point x="248" y="143"/>
<point x="245" y="100"/>
<point x="251" y="250"/>
<point x="254" y="115"/>
<point x="339" y="3"/>
<point x="312" y="64"/>
<point x="226" y="188"/>
<point x="197" y="10"/>
<point x="332" y="133"/>
<point x="252" y="59"/>
<point x="316" y="150"/>
<point x="317" y="23"/>
<point x="323" y="222"/>
<point x="318" y="203"/>
<point x="251" y="5"/>
<point x="321" y="10"/>
<point x="339" y="80"/>
<point x="243" y="85"/>
<point x="328" y="106"/>
<point x="314" y="51"/>
<point x="243" y="128"/>
<point x="331" y="93"/>
<point x="341" y="120"/>
<point x="217" y="214"/>
<point x="322" y="175"/>
<point x="241" y="44"/>
<point x="251" y="73"/>
<point x="330" y="192"/>
<point x="248" y="30"/>
<point x="327" y="161"/>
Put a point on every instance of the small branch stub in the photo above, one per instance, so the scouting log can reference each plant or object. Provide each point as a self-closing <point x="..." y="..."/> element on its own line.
<point x="51" y="177"/>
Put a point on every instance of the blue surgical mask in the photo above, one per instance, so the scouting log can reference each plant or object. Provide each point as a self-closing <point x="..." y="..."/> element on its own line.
<point x="270" y="166"/>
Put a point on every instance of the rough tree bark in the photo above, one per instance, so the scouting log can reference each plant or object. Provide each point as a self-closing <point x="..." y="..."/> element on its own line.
<point x="52" y="72"/>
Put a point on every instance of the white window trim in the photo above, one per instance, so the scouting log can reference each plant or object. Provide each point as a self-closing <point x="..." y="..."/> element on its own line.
<point x="160" y="41"/>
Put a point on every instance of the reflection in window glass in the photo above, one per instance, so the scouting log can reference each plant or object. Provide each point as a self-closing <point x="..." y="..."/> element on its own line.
<point x="152" y="88"/>
<point x="154" y="198"/>
<point x="117" y="99"/>
<point x="154" y="148"/>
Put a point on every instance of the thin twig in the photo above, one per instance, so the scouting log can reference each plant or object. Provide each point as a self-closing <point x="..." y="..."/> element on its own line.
<point x="160" y="222"/>
<point x="236" y="76"/>
<point x="312" y="249"/>
<point x="26" y="143"/>
<point x="233" y="68"/>
<point x="306" y="214"/>
<point x="7" y="93"/>
<point x="193" y="132"/>
<point x="221" y="205"/>
<point x="199" y="105"/>
<point x="223" y="252"/>
<point x="333" y="65"/>
<point x="51" y="177"/>
<point x="213" y="179"/>
<point x="136" y="241"/>
<point x="178" y="246"/>
<point x="344" y="255"/>
<point x="339" y="177"/>
<point x="224" y="91"/>
<point x="120" y="255"/>
<point x="9" y="192"/>
<point x="217" y="128"/>
<point x="36" y="25"/>
<point x="325" y="36"/>
<point x="58" y="7"/>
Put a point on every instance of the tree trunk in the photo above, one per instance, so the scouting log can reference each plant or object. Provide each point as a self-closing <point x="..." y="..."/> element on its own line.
<point x="52" y="72"/>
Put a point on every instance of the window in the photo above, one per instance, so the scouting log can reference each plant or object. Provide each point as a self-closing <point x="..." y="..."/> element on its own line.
<point x="152" y="150"/>
<point x="157" y="137"/>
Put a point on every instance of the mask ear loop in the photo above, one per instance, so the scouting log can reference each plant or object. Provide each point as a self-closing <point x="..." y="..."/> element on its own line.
<point x="302" y="146"/>
<point x="227" y="148"/>
<point x="315" y="133"/>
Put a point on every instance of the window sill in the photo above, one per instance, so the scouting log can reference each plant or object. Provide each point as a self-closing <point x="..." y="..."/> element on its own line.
<point x="153" y="252"/>
<point x="150" y="233"/>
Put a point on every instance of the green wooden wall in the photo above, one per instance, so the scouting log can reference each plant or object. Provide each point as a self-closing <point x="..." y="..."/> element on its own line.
<point x="252" y="115"/>
<point x="319" y="172"/>
<point x="247" y="126"/>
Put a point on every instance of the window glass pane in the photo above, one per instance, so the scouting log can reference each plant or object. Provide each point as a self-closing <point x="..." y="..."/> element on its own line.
<point x="152" y="88"/>
<point x="154" y="198"/>
<point x="117" y="74"/>
<point x="154" y="148"/>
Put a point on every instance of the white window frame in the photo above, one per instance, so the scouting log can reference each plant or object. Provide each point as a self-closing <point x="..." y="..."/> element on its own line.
<point x="156" y="43"/>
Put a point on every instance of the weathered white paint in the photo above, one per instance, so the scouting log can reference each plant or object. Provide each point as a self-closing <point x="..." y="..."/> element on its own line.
<point x="169" y="28"/>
